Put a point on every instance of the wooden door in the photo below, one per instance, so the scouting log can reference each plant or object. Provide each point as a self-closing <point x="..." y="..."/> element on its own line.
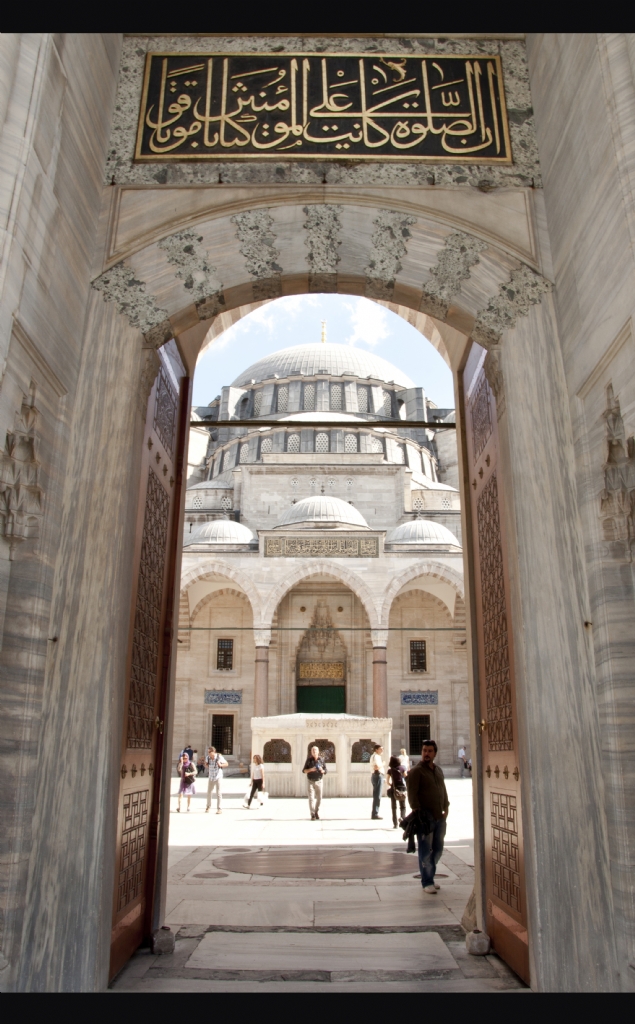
<point x="506" y="910"/>
<point x="149" y="652"/>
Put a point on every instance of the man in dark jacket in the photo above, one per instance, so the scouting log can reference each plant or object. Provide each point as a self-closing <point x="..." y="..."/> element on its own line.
<point x="428" y="796"/>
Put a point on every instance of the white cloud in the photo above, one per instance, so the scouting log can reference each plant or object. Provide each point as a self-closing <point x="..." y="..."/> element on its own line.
<point x="368" y="321"/>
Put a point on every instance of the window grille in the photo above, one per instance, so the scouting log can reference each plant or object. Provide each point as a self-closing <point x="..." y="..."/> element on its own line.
<point x="417" y="656"/>
<point x="226" y="503"/>
<point x="225" y="655"/>
<point x="336" y="397"/>
<point x="244" y="453"/>
<point x="309" y="397"/>
<point x="293" y="442"/>
<point x="418" y="731"/>
<point x="350" y="443"/>
<point x="418" y="505"/>
<point x="362" y="398"/>
<point x="257" y="403"/>
<point x="376" y="445"/>
<point x="446" y="503"/>
<point x="197" y="501"/>
<point x="283" y="398"/>
<point x="266" y="445"/>
<point x="321" y="442"/>
<point x="387" y="403"/>
<point x="277" y="752"/>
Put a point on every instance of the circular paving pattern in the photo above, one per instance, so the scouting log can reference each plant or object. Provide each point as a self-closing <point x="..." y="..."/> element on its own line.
<point x="318" y="864"/>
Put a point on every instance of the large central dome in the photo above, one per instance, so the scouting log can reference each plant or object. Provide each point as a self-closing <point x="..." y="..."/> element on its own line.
<point x="334" y="360"/>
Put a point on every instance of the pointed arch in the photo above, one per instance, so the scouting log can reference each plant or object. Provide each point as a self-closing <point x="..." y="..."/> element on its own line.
<point x="215" y="567"/>
<point x="441" y="572"/>
<point x="321" y="567"/>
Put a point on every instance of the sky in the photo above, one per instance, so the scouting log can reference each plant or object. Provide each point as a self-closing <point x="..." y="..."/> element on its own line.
<point x="296" y="320"/>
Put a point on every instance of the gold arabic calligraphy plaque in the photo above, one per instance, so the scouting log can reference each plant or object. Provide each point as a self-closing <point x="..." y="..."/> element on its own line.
<point x="317" y="106"/>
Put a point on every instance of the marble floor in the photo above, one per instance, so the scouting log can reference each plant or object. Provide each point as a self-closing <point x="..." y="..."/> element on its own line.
<point x="268" y="900"/>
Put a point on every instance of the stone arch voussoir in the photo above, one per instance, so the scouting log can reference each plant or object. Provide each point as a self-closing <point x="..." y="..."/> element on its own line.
<point x="441" y="572"/>
<point x="321" y="567"/>
<point x="224" y="591"/>
<point x="230" y="572"/>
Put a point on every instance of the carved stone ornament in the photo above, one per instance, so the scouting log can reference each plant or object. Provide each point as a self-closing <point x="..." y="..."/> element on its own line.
<point x="184" y="250"/>
<point x="388" y="246"/>
<point x="494" y="374"/>
<point x="379" y="637"/>
<point x="256" y="237"/>
<point x="454" y="261"/>
<point x="21" y="497"/>
<point x="119" y="285"/>
<point x="617" y="500"/>
<point x="262" y="637"/>
<point x="515" y="298"/>
<point x="323" y="229"/>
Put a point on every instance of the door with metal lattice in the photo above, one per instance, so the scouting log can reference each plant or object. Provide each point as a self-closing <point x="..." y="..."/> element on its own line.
<point x="506" y="908"/>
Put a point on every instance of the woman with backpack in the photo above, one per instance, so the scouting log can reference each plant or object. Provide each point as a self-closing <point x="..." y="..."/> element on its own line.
<point x="257" y="780"/>
<point x="187" y="787"/>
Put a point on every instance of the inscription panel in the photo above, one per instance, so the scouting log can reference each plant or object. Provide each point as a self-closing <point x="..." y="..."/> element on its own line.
<point x="321" y="670"/>
<point x="316" y="106"/>
<point x="495" y="626"/>
<point x="223" y="697"/>
<point x="322" y="547"/>
<point x="415" y="697"/>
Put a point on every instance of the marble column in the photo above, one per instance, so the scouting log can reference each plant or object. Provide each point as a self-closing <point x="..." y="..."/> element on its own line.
<point x="379" y="639"/>
<point x="262" y="639"/>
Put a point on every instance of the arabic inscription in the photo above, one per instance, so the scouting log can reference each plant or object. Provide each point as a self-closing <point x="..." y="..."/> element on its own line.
<point x="310" y="106"/>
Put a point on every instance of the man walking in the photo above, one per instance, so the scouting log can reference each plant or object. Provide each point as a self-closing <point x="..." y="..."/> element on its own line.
<point x="315" y="770"/>
<point x="377" y="774"/>
<point x="428" y="798"/>
<point x="215" y="764"/>
<point x="463" y="760"/>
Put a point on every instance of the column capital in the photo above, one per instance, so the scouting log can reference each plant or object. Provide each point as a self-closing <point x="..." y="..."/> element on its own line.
<point x="379" y="637"/>
<point x="262" y="637"/>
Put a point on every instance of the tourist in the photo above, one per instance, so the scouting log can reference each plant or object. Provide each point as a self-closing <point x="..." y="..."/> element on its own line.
<point x="187" y="749"/>
<point x="428" y="798"/>
<point x="396" y="790"/>
<point x="215" y="764"/>
<point x="404" y="760"/>
<point x="315" y="770"/>
<point x="257" y="770"/>
<point x="377" y="773"/>
<point x="463" y="760"/>
<point x="186" y="787"/>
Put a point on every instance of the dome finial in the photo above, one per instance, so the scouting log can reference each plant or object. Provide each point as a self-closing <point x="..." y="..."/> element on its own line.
<point x="324" y="332"/>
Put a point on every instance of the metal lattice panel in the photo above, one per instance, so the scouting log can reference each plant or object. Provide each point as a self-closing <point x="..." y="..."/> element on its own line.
<point x="495" y="626"/>
<point x="277" y="752"/>
<point x="165" y="412"/>
<point x="309" y="397"/>
<point x="481" y="413"/>
<point x="145" y="640"/>
<point x="257" y="403"/>
<point x="283" y="398"/>
<point x="321" y="442"/>
<point x="293" y="443"/>
<point x="244" y="453"/>
<point x="133" y="847"/>
<point x="505" y="851"/>
<point x="362" y="398"/>
<point x="387" y="407"/>
<point x="266" y="445"/>
<point x="350" y="443"/>
<point x="336" y="397"/>
<point x="376" y="445"/>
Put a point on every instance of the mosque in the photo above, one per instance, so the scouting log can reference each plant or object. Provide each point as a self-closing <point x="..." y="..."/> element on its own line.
<point x="300" y="536"/>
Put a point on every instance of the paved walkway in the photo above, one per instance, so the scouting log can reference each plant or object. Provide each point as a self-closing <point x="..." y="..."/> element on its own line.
<point x="376" y="930"/>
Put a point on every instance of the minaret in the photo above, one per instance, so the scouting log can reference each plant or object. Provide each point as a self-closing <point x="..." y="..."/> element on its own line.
<point x="324" y="332"/>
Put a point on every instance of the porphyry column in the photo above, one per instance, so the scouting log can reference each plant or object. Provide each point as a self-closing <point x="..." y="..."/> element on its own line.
<point x="262" y="638"/>
<point x="379" y="639"/>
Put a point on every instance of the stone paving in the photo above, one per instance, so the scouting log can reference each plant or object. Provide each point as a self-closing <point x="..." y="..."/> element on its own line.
<point x="245" y="931"/>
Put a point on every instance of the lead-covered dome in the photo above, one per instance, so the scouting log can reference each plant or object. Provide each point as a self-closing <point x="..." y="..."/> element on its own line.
<point x="220" y="531"/>
<point x="334" y="360"/>
<point x="422" y="531"/>
<point x="325" y="511"/>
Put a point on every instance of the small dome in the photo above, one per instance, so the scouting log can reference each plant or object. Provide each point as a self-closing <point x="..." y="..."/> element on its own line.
<point x="220" y="531"/>
<point x="323" y="509"/>
<point x="422" y="531"/>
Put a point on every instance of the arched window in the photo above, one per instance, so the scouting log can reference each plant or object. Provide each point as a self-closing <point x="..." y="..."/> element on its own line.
<point x="350" y="442"/>
<point x="244" y="453"/>
<point x="387" y="410"/>
<point x="293" y="442"/>
<point x="277" y="752"/>
<point x="266" y="445"/>
<point x="362" y="751"/>
<point x="326" y="748"/>
<point x="321" y="442"/>
<point x="376" y="445"/>
<point x="309" y="397"/>
<point x="197" y="501"/>
<point x="283" y="398"/>
<point x="362" y="398"/>
<point x="336" y="397"/>
<point x="257" y="403"/>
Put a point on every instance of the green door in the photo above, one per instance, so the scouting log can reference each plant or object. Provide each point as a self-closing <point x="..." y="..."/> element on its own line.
<point x="322" y="698"/>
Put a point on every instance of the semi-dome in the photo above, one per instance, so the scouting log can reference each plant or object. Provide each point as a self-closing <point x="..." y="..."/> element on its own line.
<point x="333" y="360"/>
<point x="325" y="511"/>
<point x="220" y="531"/>
<point x="422" y="531"/>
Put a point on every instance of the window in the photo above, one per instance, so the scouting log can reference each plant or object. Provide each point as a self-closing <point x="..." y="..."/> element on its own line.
<point x="321" y="442"/>
<point x="226" y="503"/>
<point x="417" y="656"/>
<point x="257" y="403"/>
<point x="336" y="397"/>
<point x="309" y="397"/>
<point x="376" y="445"/>
<point x="266" y="445"/>
<point x="197" y="501"/>
<point x="225" y="656"/>
<point x="223" y="733"/>
<point x="293" y="442"/>
<point x="418" y="505"/>
<point x="418" y="731"/>
<point x="446" y="503"/>
<point x="244" y="453"/>
<point x="350" y="443"/>
<point x="387" y="410"/>
<point x="362" y="398"/>
<point x="283" y="398"/>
